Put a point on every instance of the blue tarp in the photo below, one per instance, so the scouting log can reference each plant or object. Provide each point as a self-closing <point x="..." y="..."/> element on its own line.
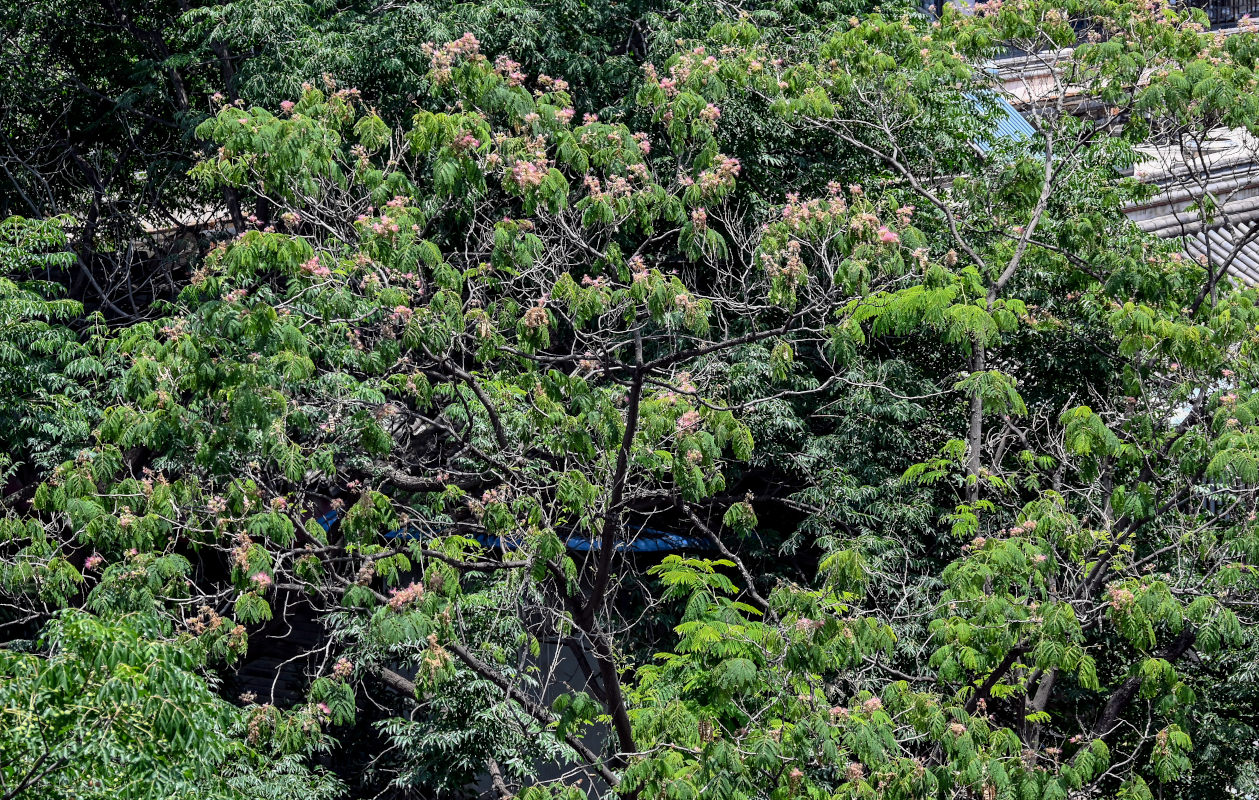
<point x="648" y="540"/>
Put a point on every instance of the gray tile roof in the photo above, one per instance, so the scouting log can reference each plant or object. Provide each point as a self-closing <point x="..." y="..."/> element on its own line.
<point x="1237" y="245"/>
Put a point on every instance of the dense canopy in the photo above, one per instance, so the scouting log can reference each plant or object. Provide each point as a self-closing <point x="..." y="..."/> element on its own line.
<point x="641" y="399"/>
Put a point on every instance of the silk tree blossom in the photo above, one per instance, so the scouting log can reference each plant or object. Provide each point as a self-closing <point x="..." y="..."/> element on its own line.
<point x="401" y="314"/>
<point x="510" y="70"/>
<point x="1120" y="599"/>
<point x="699" y="219"/>
<point x="528" y="174"/>
<point x="442" y="59"/>
<point x="315" y="268"/>
<point x="721" y="176"/>
<point x="619" y="187"/>
<point x="689" y="422"/>
<point x="401" y="598"/>
<point x="638" y="269"/>
<point x="547" y="83"/>
<point x="589" y="363"/>
<point x="595" y="187"/>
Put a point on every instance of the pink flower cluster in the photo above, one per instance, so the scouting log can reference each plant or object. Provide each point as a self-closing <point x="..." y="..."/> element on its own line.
<point x="442" y="59"/>
<point x="796" y="213"/>
<point x="401" y="314"/>
<point x="688" y="422"/>
<point x="696" y="63"/>
<point x="638" y="267"/>
<point x="313" y="267"/>
<point x="465" y="143"/>
<point x="510" y="70"/>
<point x="721" y="175"/>
<point x="793" y="268"/>
<point x="1120" y="599"/>
<point x="401" y="598"/>
<point x="699" y="219"/>
<point x="384" y="226"/>
<point x="527" y="174"/>
<point x="1025" y="527"/>
<point x="550" y="84"/>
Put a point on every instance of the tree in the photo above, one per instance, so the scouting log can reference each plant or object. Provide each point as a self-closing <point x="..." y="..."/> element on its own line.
<point x="106" y="711"/>
<point x="46" y="383"/>
<point x="502" y="344"/>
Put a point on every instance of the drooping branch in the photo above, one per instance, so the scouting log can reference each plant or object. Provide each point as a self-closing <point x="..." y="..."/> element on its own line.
<point x="1107" y="720"/>
<point x="407" y="687"/>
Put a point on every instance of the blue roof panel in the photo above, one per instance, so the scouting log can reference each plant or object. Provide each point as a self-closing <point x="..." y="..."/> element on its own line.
<point x="1010" y="123"/>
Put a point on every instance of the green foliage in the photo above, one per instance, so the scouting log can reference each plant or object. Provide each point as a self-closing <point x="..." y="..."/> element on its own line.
<point x="961" y="464"/>
<point x="110" y="709"/>
<point x="48" y="370"/>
